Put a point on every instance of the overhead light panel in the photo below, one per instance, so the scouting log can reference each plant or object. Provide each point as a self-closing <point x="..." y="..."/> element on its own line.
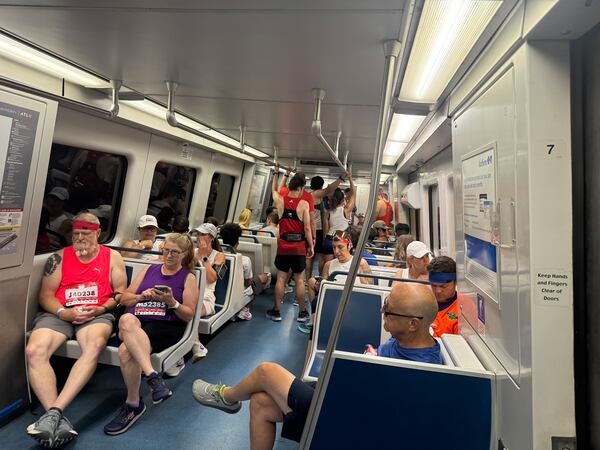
<point x="447" y="31"/>
<point x="39" y="60"/>
<point x="254" y="152"/>
<point x="403" y="127"/>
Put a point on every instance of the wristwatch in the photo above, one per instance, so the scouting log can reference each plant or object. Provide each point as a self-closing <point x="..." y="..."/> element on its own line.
<point x="205" y="259"/>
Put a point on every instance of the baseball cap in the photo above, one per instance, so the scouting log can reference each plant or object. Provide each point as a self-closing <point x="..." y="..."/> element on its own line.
<point x="147" y="221"/>
<point x="60" y="193"/>
<point x="207" y="228"/>
<point x="380" y="224"/>
<point x="417" y="249"/>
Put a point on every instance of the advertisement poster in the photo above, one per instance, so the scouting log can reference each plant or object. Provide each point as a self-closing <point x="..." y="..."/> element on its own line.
<point x="479" y="205"/>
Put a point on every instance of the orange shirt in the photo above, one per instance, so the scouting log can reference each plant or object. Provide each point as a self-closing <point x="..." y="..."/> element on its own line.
<point x="446" y="321"/>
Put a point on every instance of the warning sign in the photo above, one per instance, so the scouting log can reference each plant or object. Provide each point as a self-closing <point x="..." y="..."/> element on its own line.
<point x="552" y="287"/>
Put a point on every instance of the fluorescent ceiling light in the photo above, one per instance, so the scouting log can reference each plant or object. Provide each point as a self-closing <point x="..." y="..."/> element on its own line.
<point x="254" y="152"/>
<point x="404" y="126"/>
<point x="447" y="31"/>
<point x="393" y="148"/>
<point x="149" y="107"/>
<point x="389" y="160"/>
<point x="30" y="56"/>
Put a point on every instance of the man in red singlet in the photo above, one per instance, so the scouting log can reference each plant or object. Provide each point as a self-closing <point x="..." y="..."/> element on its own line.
<point x="81" y="284"/>
<point x="384" y="209"/>
<point x="294" y="245"/>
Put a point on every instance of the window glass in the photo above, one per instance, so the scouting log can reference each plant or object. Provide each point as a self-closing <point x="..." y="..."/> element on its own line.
<point x="434" y="218"/>
<point x="171" y="193"/>
<point x="219" y="198"/>
<point x="79" y="179"/>
<point x="256" y="198"/>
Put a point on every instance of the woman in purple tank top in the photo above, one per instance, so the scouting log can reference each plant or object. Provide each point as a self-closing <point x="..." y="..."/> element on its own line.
<point x="160" y="301"/>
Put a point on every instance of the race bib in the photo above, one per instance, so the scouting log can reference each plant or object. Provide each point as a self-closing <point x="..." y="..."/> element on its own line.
<point x="83" y="294"/>
<point x="150" y="309"/>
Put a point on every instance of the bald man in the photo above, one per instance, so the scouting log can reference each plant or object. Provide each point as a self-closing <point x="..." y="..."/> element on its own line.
<point x="277" y="396"/>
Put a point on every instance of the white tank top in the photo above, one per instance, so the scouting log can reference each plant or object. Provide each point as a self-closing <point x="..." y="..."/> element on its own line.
<point x="209" y="290"/>
<point x="155" y="247"/>
<point x="337" y="220"/>
<point x="336" y="265"/>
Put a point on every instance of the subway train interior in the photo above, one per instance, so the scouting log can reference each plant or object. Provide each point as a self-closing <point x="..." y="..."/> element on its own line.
<point x="474" y="122"/>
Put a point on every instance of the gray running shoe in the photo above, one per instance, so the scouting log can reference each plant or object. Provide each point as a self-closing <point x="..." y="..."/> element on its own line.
<point x="44" y="429"/>
<point x="211" y="395"/>
<point x="64" y="432"/>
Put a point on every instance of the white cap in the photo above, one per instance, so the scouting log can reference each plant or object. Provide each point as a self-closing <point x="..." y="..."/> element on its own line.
<point x="147" y="221"/>
<point x="207" y="228"/>
<point x="417" y="249"/>
<point x="60" y="193"/>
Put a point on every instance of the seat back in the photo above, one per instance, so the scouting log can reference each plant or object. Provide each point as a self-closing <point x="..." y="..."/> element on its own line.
<point x="254" y="251"/>
<point x="269" y="247"/>
<point x="223" y="284"/>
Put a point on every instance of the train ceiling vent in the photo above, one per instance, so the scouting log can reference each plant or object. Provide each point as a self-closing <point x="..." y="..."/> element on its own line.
<point x="309" y="162"/>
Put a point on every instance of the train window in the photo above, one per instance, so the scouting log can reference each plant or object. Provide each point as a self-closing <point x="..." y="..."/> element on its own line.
<point x="79" y="179"/>
<point x="171" y="193"/>
<point x="219" y="199"/>
<point x="434" y="218"/>
<point x="256" y="198"/>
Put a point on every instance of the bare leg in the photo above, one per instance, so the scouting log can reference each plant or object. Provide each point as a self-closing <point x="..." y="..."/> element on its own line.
<point x="92" y="340"/>
<point x="279" y="288"/>
<point x="132" y="373"/>
<point x="43" y="342"/>
<point x="136" y="341"/>
<point x="309" y="267"/>
<point x="300" y="290"/>
<point x="267" y="377"/>
<point x="311" y="288"/>
<point x="264" y="413"/>
<point x="322" y="262"/>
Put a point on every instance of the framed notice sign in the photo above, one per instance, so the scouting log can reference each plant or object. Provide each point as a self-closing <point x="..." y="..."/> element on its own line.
<point x="479" y="207"/>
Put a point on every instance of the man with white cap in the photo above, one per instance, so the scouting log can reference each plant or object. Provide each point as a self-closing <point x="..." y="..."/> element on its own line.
<point x="58" y="221"/>
<point x="147" y="229"/>
<point x="417" y="259"/>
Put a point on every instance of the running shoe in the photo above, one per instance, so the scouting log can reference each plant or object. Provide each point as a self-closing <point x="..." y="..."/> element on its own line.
<point x="305" y="327"/>
<point x="176" y="369"/>
<point x="303" y="316"/>
<point x="64" y="432"/>
<point x="274" y="315"/>
<point x="160" y="391"/>
<point x="125" y="418"/>
<point x="44" y="429"/>
<point x="245" y="314"/>
<point x="288" y="289"/>
<point x="199" y="351"/>
<point x="212" y="395"/>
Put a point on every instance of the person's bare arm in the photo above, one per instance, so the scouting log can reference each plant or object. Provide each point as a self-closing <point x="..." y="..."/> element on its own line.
<point x="351" y="199"/>
<point x="51" y="282"/>
<point x="320" y="193"/>
<point x="305" y="215"/>
<point x="364" y="268"/>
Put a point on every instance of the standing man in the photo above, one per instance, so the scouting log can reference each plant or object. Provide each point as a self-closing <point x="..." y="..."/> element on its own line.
<point x="294" y="245"/>
<point x="384" y="209"/>
<point x="81" y="284"/>
<point x="147" y="230"/>
<point x="442" y="276"/>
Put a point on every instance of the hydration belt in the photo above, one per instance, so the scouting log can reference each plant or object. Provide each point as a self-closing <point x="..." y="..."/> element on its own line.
<point x="293" y="237"/>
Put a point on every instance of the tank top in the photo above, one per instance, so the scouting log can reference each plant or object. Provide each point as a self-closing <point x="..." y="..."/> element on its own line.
<point x="290" y="223"/>
<point x="337" y="220"/>
<point x="84" y="284"/>
<point x="209" y="290"/>
<point x="387" y="216"/>
<point x="155" y="247"/>
<point x="336" y="265"/>
<point x="153" y="309"/>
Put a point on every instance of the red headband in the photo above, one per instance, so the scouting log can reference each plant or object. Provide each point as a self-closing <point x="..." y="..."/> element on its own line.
<point x="344" y="241"/>
<point x="83" y="225"/>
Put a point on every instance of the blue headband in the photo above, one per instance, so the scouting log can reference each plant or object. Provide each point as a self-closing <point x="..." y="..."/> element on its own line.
<point x="441" y="277"/>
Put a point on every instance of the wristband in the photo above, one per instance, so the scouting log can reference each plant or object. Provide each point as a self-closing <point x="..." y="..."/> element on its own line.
<point x="58" y="311"/>
<point x="175" y="306"/>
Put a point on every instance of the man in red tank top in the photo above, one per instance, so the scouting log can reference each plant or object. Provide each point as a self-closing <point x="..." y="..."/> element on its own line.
<point x="294" y="245"/>
<point x="81" y="284"/>
<point x="384" y="209"/>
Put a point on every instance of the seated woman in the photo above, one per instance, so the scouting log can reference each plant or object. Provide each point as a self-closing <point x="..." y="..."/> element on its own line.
<point x="244" y="220"/>
<point x="400" y="248"/>
<point x="209" y="256"/>
<point x="160" y="300"/>
<point x="417" y="259"/>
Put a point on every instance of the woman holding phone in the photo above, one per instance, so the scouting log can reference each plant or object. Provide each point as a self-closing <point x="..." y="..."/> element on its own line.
<point x="161" y="300"/>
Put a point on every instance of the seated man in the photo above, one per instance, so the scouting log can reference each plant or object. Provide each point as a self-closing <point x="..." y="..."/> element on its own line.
<point x="381" y="236"/>
<point x="147" y="230"/>
<point x="230" y="233"/>
<point x="442" y="276"/>
<point x="78" y="290"/>
<point x="277" y="396"/>
<point x="401" y="229"/>
<point x="270" y="225"/>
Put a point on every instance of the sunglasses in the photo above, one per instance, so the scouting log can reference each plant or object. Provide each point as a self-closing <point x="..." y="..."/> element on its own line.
<point x="387" y="313"/>
<point x="340" y="235"/>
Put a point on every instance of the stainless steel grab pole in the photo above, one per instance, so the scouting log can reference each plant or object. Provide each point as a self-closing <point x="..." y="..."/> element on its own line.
<point x="391" y="50"/>
<point x="319" y="95"/>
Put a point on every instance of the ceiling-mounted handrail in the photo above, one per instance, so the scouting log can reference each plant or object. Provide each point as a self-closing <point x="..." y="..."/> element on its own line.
<point x="346" y="154"/>
<point x="391" y="51"/>
<point x="115" y="86"/>
<point x="319" y="95"/>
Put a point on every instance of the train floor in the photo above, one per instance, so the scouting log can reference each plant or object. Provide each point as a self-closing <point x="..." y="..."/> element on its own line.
<point x="180" y="422"/>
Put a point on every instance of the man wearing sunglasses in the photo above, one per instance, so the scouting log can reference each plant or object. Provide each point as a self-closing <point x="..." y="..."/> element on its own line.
<point x="277" y="396"/>
<point x="442" y="276"/>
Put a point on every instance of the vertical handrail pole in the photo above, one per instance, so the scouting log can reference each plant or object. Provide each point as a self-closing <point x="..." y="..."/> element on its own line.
<point x="346" y="160"/>
<point x="391" y="51"/>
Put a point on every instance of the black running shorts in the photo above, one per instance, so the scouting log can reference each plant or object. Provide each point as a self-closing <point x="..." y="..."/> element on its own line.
<point x="295" y="263"/>
<point x="299" y="397"/>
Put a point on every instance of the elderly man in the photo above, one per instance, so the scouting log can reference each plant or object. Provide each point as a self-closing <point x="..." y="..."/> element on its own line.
<point x="147" y="230"/>
<point x="79" y="288"/>
<point x="442" y="276"/>
<point x="277" y="396"/>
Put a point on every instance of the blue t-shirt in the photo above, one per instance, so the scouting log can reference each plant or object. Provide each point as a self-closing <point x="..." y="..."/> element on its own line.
<point x="370" y="258"/>
<point x="391" y="349"/>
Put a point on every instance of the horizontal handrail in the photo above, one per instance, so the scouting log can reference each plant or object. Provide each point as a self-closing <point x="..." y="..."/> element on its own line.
<point x="134" y="250"/>
<point x="332" y="276"/>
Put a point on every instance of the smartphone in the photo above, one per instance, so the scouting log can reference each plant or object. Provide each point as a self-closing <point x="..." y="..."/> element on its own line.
<point x="162" y="288"/>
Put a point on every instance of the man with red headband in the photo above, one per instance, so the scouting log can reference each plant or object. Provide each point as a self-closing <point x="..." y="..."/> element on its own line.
<point x="442" y="276"/>
<point x="81" y="284"/>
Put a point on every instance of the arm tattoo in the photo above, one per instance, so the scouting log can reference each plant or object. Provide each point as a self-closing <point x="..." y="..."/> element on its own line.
<point x="51" y="264"/>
